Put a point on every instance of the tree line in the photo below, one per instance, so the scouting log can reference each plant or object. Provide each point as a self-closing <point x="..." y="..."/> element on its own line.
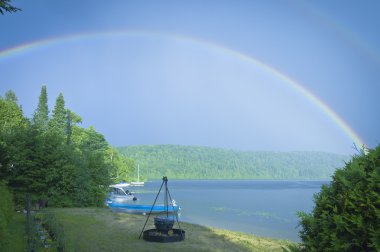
<point x="54" y="159"/>
<point x="193" y="162"/>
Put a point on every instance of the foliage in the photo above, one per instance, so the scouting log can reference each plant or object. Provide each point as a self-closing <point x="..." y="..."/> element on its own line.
<point x="6" y="212"/>
<point x="13" y="127"/>
<point x="5" y="6"/>
<point x="11" y="115"/>
<point x="346" y="216"/>
<point x="121" y="167"/>
<point x="52" y="157"/>
<point x="184" y="162"/>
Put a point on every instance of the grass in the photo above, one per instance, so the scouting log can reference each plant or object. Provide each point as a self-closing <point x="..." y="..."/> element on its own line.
<point x="17" y="237"/>
<point x="99" y="229"/>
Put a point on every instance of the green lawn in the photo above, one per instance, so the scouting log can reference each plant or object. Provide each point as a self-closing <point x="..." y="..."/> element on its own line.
<point x="99" y="229"/>
<point x="17" y="238"/>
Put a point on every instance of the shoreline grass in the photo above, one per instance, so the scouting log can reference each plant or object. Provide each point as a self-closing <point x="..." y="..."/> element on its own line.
<point x="99" y="229"/>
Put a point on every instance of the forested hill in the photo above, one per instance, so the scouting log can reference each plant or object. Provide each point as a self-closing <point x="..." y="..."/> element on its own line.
<point x="190" y="162"/>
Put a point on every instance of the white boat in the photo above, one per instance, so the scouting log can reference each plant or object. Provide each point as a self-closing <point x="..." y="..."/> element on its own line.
<point x="119" y="193"/>
<point x="138" y="183"/>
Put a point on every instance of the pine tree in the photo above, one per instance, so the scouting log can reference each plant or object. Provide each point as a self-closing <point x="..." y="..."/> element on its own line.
<point x="59" y="120"/>
<point x="41" y="115"/>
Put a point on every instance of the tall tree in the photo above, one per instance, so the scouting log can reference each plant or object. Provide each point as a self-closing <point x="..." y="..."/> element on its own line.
<point x="41" y="115"/>
<point x="59" y="120"/>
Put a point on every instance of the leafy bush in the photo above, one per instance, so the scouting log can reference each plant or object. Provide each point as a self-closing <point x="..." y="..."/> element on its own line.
<point x="346" y="216"/>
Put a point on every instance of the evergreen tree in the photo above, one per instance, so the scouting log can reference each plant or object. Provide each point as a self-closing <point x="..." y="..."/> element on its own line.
<point x="346" y="216"/>
<point x="68" y="129"/>
<point x="60" y="157"/>
<point x="59" y="120"/>
<point x="41" y="115"/>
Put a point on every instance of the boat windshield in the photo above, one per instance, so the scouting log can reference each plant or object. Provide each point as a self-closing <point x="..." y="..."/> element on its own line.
<point x="119" y="191"/>
<point x="125" y="190"/>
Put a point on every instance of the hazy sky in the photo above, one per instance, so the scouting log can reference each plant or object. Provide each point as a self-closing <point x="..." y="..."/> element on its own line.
<point x="212" y="73"/>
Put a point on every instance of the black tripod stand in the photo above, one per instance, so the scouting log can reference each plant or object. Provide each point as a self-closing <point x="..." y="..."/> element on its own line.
<point x="163" y="226"/>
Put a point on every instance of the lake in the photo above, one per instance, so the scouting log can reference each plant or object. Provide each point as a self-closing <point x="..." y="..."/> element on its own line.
<point x="260" y="207"/>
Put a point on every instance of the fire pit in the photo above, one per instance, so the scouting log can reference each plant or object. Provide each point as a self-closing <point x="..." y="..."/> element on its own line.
<point x="164" y="223"/>
<point x="173" y="235"/>
<point x="164" y="231"/>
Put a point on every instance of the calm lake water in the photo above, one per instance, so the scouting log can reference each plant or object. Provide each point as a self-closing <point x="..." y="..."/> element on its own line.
<point x="264" y="208"/>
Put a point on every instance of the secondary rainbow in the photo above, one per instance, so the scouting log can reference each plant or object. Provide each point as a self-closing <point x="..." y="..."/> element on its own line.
<point x="297" y="87"/>
<point x="340" y="30"/>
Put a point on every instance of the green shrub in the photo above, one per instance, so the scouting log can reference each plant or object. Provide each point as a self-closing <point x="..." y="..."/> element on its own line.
<point x="346" y="216"/>
<point x="6" y="212"/>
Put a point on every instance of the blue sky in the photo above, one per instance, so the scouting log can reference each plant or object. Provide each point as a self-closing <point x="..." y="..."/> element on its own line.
<point x="183" y="72"/>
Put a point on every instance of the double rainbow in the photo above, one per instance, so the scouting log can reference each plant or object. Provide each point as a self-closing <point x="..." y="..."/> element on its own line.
<point x="292" y="84"/>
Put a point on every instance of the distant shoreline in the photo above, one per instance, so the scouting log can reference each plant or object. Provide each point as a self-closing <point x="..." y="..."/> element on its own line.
<point x="194" y="162"/>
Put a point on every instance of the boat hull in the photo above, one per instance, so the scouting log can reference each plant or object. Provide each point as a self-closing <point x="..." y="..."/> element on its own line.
<point x="136" y="208"/>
